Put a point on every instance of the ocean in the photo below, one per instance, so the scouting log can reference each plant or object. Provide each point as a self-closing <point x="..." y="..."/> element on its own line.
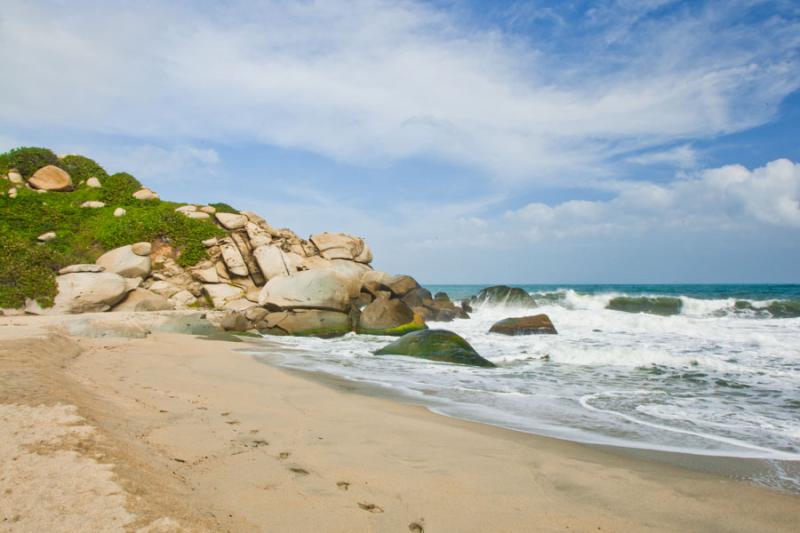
<point x="698" y="369"/>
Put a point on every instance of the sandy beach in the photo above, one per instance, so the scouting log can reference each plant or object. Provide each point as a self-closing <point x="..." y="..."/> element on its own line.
<point x="169" y="432"/>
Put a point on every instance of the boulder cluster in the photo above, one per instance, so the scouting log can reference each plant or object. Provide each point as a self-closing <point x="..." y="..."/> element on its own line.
<point x="266" y="279"/>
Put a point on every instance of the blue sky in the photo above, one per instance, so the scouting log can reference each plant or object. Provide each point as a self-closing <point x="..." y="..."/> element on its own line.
<point x="543" y="142"/>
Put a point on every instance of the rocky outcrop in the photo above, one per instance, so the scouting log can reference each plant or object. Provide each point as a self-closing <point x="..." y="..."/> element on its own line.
<point x="142" y="300"/>
<point x="503" y="295"/>
<point x="231" y="220"/>
<point x="307" y="323"/>
<point x="126" y="262"/>
<point x="436" y="345"/>
<point x="388" y="317"/>
<point x="526" y="325"/>
<point x="342" y="246"/>
<point x="51" y="178"/>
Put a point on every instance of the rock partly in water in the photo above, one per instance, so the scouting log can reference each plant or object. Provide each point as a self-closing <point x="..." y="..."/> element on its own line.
<point x="51" y="178"/>
<point x="525" y="325"/>
<point x="388" y="317"/>
<point x="654" y="305"/>
<point x="503" y="295"/>
<point x="436" y="345"/>
<point x="125" y="262"/>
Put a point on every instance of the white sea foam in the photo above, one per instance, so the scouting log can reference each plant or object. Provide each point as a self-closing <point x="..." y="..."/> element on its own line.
<point x="703" y="381"/>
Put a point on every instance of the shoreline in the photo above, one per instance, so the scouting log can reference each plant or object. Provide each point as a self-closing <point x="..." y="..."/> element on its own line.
<point x="202" y="435"/>
<point x="740" y="469"/>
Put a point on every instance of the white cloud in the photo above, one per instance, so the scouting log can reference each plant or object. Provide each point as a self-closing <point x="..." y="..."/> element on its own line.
<point x="375" y="80"/>
<point x="158" y="163"/>
<point x="683" y="156"/>
<point x="724" y="198"/>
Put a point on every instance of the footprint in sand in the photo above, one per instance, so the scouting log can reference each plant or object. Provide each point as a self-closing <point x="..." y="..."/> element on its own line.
<point x="258" y="443"/>
<point x="371" y="507"/>
<point x="343" y="485"/>
<point x="416" y="527"/>
<point x="284" y="455"/>
<point x="298" y="470"/>
<point x="232" y="422"/>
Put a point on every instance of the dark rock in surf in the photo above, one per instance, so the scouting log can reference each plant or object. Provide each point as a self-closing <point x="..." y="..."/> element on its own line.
<point x="525" y="325"/>
<point x="436" y="345"/>
<point x="503" y="295"/>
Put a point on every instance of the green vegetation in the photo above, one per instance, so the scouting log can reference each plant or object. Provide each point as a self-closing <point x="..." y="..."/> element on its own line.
<point x="224" y="208"/>
<point x="28" y="268"/>
<point x="27" y="160"/>
<point x="436" y="345"/>
<point x="82" y="168"/>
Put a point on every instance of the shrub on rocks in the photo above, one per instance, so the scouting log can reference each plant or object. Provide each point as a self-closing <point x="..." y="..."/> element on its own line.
<point x="27" y="160"/>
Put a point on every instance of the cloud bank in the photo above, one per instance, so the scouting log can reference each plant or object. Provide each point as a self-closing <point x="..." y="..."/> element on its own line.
<point x="374" y="81"/>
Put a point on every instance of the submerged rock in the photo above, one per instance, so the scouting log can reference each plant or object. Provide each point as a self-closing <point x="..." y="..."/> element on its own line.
<point x="654" y="305"/>
<point x="503" y="295"/>
<point x="389" y="317"/>
<point x="525" y="325"/>
<point x="436" y="345"/>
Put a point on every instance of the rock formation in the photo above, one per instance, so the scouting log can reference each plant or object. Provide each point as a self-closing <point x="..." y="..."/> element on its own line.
<point x="436" y="345"/>
<point x="526" y="325"/>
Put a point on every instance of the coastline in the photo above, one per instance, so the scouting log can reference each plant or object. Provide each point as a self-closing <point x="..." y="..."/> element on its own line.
<point x="196" y="434"/>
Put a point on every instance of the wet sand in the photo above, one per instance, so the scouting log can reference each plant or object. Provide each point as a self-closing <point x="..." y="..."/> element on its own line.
<point x="174" y="433"/>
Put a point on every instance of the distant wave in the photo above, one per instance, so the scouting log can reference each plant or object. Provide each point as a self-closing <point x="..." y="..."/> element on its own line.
<point x="665" y="305"/>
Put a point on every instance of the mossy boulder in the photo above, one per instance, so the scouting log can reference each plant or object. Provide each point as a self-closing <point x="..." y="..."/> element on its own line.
<point x="503" y="295"/>
<point x="524" y="325"/>
<point x="389" y="317"/>
<point x="308" y="323"/>
<point x="653" y="305"/>
<point x="436" y="345"/>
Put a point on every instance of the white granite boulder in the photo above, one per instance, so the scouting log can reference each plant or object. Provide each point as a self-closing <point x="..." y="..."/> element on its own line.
<point x="51" y="178"/>
<point x="125" y="262"/>
<point x="312" y="289"/>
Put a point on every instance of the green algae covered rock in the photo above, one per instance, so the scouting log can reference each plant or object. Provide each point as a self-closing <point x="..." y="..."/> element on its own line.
<point x="436" y="345"/>
<point x="653" y="305"/>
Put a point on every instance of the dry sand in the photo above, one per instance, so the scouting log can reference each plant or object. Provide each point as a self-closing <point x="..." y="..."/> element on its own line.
<point x="173" y="433"/>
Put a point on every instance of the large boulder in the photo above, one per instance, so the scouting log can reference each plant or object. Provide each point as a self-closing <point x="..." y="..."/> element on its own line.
<point x="525" y="325"/>
<point x="126" y="262"/>
<point x="311" y="289"/>
<point x="342" y="246"/>
<point x="388" y="317"/>
<point x="503" y="295"/>
<point x="436" y="345"/>
<point x="308" y="323"/>
<point x="232" y="257"/>
<point x="222" y="293"/>
<point x="351" y="272"/>
<point x="272" y="261"/>
<point x="417" y="297"/>
<point x="401" y="285"/>
<point x="231" y="220"/>
<point x="86" y="292"/>
<point x="51" y="178"/>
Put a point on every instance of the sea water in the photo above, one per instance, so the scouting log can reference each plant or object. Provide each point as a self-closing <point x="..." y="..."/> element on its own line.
<point x="715" y="371"/>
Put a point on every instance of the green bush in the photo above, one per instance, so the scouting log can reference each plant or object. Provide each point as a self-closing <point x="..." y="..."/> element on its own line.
<point x="223" y="208"/>
<point x="28" y="268"/>
<point x="27" y="160"/>
<point x="82" y="168"/>
<point x="118" y="189"/>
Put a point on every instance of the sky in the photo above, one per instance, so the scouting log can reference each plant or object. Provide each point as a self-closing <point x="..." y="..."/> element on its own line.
<point x="618" y="141"/>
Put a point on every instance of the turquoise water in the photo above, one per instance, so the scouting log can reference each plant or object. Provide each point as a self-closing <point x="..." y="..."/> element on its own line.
<point x="705" y="292"/>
